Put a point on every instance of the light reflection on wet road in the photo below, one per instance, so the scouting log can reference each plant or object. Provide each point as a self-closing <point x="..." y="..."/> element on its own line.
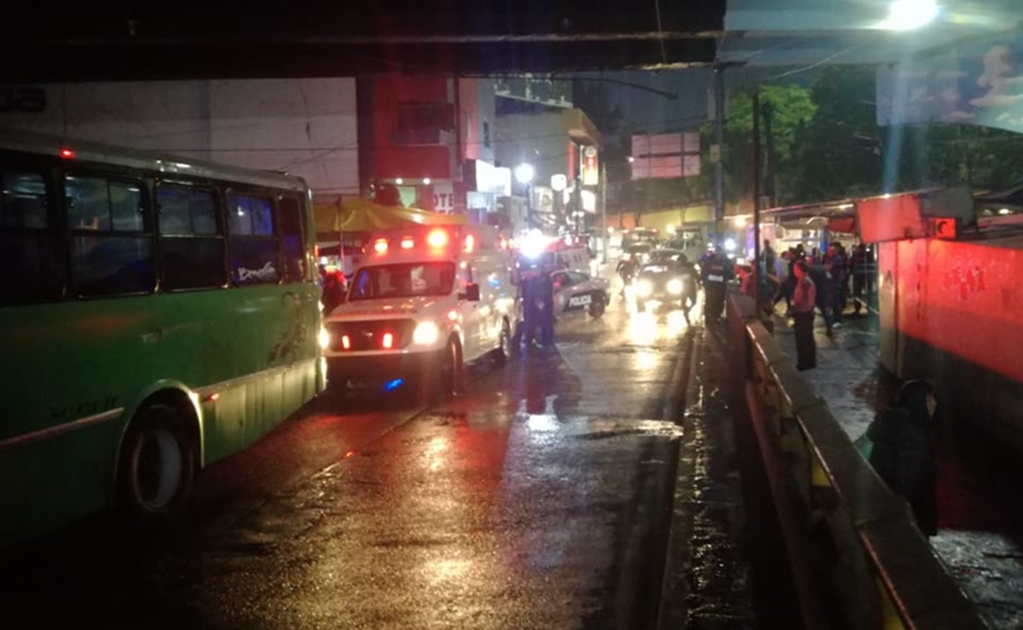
<point x="540" y="500"/>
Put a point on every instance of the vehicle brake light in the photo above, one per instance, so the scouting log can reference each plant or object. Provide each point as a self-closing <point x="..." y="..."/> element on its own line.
<point x="388" y="340"/>
<point x="407" y="243"/>
<point x="380" y="246"/>
<point x="470" y="242"/>
<point x="453" y="315"/>
<point x="437" y="238"/>
<point x="346" y="342"/>
<point x="67" y="154"/>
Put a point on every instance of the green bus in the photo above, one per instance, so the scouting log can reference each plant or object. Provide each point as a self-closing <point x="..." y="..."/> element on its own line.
<point x="157" y="314"/>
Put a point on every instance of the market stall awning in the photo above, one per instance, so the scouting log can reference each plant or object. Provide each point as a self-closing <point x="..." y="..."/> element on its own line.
<point x="362" y="215"/>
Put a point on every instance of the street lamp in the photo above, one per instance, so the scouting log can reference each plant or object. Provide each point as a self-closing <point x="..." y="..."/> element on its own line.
<point x="908" y="15"/>
<point x="524" y="173"/>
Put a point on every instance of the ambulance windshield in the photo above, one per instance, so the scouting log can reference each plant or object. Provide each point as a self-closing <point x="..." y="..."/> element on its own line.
<point x="403" y="280"/>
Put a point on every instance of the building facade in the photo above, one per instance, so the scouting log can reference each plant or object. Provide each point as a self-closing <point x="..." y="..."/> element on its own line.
<point x="306" y="127"/>
<point x="431" y="137"/>
<point x="560" y="145"/>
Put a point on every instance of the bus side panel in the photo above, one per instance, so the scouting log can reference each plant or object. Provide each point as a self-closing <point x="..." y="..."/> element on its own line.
<point x="70" y="371"/>
<point x="76" y="361"/>
<point x="273" y="333"/>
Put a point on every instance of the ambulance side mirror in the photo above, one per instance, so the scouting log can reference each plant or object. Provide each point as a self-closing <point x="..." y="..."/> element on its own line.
<point x="472" y="292"/>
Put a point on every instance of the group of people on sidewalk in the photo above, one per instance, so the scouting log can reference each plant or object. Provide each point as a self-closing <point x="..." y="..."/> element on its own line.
<point x="809" y="283"/>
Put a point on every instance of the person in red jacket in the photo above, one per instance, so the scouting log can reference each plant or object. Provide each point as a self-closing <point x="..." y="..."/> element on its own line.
<point x="804" y="300"/>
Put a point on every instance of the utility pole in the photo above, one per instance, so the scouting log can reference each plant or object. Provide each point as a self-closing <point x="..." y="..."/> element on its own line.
<point x="770" y="167"/>
<point x="719" y="139"/>
<point x="756" y="181"/>
<point x="603" y="209"/>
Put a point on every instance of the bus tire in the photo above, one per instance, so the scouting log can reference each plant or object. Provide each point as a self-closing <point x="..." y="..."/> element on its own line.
<point x="157" y="466"/>
<point x="451" y="372"/>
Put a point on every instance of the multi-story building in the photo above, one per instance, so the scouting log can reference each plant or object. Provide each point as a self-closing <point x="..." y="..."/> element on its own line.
<point x="559" y="146"/>
<point x="432" y="138"/>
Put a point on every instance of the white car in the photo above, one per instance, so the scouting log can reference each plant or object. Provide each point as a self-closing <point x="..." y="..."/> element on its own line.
<point x="578" y="291"/>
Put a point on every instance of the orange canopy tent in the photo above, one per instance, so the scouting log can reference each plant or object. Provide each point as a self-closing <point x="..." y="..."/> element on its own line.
<point x="362" y="215"/>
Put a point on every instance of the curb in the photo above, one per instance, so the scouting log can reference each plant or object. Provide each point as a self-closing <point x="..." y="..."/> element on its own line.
<point x="672" y="610"/>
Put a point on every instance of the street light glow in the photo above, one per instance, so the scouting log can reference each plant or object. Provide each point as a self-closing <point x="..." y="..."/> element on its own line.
<point x="524" y="173"/>
<point x="907" y="15"/>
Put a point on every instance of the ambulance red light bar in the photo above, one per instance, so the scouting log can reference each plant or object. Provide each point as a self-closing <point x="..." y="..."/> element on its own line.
<point x="388" y="341"/>
<point x="407" y="243"/>
<point x="380" y="246"/>
<point x="437" y="238"/>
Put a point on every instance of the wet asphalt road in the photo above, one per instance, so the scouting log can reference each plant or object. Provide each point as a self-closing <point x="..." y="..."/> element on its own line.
<point x="539" y="500"/>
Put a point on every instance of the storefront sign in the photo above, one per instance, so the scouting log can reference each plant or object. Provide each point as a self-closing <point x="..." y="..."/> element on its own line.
<point x="591" y="175"/>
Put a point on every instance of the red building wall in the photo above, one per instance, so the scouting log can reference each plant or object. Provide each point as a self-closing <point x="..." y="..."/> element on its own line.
<point x="407" y="161"/>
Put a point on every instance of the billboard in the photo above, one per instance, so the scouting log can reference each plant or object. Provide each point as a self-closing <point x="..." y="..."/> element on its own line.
<point x="979" y="83"/>
<point x="666" y="155"/>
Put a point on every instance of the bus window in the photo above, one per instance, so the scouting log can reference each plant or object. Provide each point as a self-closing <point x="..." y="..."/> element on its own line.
<point x="191" y="247"/>
<point x="29" y="251"/>
<point x="110" y="253"/>
<point x="253" y="246"/>
<point x="292" y="249"/>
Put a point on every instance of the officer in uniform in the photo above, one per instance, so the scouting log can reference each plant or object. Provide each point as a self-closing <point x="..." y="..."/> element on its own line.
<point x="715" y="272"/>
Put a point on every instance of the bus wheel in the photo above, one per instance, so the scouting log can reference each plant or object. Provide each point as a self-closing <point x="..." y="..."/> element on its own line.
<point x="451" y="370"/>
<point x="157" y="468"/>
<point x="598" y="305"/>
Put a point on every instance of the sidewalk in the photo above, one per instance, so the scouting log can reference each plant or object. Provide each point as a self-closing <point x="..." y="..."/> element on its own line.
<point x="974" y="538"/>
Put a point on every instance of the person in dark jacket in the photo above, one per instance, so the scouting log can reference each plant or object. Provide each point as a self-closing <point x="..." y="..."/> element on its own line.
<point x="903" y="456"/>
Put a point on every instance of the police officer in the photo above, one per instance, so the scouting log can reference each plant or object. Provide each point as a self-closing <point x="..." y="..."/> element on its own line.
<point x="690" y="285"/>
<point x="715" y="272"/>
<point x="545" y="304"/>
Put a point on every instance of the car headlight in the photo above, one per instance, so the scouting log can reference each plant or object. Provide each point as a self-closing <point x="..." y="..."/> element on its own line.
<point x="675" y="286"/>
<point x="644" y="288"/>
<point x="324" y="338"/>
<point x="426" y="333"/>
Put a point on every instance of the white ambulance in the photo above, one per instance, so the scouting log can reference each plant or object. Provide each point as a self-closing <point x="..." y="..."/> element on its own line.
<point x="424" y="301"/>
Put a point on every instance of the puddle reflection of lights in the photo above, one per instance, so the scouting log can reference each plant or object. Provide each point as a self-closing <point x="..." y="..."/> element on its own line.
<point x="447" y="569"/>
<point x="676" y="323"/>
<point x="540" y="422"/>
<point x="645" y="360"/>
<point x="643" y="328"/>
<point x="434" y="452"/>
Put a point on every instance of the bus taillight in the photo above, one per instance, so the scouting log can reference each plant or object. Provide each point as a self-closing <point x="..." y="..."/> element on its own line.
<point x="346" y="342"/>
<point x="388" y="341"/>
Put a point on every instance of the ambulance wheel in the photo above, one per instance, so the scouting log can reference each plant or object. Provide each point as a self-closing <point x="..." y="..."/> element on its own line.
<point x="450" y="374"/>
<point x="504" y="349"/>
<point x="598" y="305"/>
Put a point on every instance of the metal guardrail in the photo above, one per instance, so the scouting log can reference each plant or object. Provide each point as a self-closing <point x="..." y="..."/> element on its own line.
<point x="857" y="558"/>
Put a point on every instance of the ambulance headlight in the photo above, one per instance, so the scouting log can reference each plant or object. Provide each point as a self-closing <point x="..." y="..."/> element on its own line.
<point x="324" y="338"/>
<point x="675" y="287"/>
<point x="426" y="333"/>
<point x="644" y="288"/>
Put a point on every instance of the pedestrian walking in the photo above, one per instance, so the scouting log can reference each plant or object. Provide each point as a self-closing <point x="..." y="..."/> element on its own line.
<point x="804" y="300"/>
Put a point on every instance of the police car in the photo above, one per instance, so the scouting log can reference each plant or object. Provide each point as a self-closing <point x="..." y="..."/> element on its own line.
<point x="578" y="291"/>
